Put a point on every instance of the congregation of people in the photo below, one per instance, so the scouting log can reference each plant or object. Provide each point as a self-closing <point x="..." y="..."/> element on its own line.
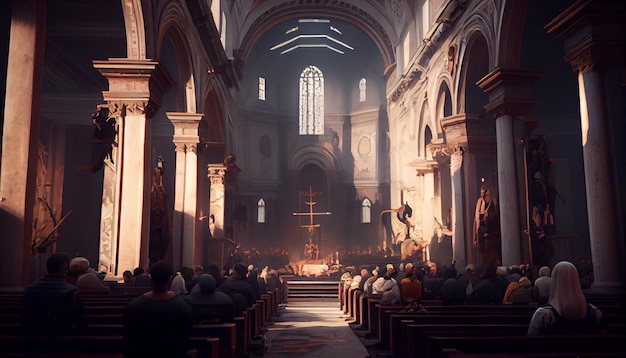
<point x="156" y="322"/>
<point x="556" y="293"/>
<point x="159" y="321"/>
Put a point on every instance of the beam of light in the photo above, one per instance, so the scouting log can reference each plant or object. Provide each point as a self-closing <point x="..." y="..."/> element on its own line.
<point x="584" y="112"/>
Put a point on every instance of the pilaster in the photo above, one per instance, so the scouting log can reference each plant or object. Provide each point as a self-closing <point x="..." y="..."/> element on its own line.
<point x="134" y="95"/>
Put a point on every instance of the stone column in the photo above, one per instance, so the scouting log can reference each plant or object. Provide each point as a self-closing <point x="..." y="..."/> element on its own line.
<point x="217" y="205"/>
<point x="135" y="90"/>
<point x="458" y="229"/>
<point x="510" y="99"/>
<point x="186" y="140"/>
<point x="593" y="43"/>
<point x="424" y="169"/>
<point x="217" y="199"/>
<point x="20" y="139"/>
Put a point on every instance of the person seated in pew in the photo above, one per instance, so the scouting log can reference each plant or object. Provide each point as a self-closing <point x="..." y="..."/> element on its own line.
<point x="431" y="283"/>
<point x="454" y="288"/>
<point x="518" y="293"/>
<point x="129" y="280"/>
<point x="209" y="305"/>
<point x="367" y="286"/>
<point x="178" y="285"/>
<point x="157" y="323"/>
<point x="140" y="277"/>
<point x="490" y="288"/>
<point x="253" y="280"/>
<point x="387" y="287"/>
<point x="239" y="289"/>
<point x="51" y="306"/>
<point x="568" y="310"/>
<point x="411" y="285"/>
<point x="77" y="267"/>
<point x="541" y="290"/>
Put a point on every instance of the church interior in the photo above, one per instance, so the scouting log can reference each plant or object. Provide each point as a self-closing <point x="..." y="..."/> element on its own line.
<point x="460" y="131"/>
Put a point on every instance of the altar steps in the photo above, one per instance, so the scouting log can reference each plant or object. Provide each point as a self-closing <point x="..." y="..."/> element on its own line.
<point x="298" y="289"/>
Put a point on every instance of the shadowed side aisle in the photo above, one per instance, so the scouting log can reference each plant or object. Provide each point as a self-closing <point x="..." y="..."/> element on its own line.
<point x="312" y="327"/>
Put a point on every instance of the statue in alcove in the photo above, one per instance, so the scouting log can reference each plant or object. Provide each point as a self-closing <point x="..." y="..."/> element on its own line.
<point x="159" y="216"/>
<point x="487" y="229"/>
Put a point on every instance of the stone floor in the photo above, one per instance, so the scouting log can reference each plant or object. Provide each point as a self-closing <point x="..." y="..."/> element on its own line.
<point x="312" y="328"/>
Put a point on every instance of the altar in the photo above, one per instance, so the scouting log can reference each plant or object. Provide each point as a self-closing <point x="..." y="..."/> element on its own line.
<point x="313" y="268"/>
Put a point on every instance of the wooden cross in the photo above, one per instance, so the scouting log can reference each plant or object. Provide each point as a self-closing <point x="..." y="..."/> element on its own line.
<point x="311" y="226"/>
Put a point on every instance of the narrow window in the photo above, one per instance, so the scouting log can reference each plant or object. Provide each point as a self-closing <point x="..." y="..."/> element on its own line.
<point x="261" y="211"/>
<point x="366" y="211"/>
<point x="262" y="88"/>
<point x="311" y="101"/>
<point x="362" y="90"/>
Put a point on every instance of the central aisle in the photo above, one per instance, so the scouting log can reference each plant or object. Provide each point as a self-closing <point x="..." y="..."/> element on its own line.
<point x="312" y="327"/>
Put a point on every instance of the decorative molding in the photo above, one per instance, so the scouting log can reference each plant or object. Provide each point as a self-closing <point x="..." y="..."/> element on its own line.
<point x="443" y="152"/>
<point x="216" y="174"/>
<point x="501" y="106"/>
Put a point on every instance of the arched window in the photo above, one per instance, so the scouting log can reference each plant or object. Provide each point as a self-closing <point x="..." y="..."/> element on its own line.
<point x="362" y="90"/>
<point x="311" y="101"/>
<point x="262" y="88"/>
<point x="260" y="211"/>
<point x="366" y="211"/>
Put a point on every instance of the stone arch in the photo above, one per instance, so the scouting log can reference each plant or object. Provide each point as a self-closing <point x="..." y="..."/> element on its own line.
<point x="319" y="156"/>
<point x="264" y="15"/>
<point x="476" y="64"/>
<point x="510" y="42"/>
<point x="426" y="122"/>
<point x="186" y="93"/>
<point x="135" y="29"/>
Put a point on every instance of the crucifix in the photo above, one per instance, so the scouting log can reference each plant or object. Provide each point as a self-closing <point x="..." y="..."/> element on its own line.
<point x="311" y="250"/>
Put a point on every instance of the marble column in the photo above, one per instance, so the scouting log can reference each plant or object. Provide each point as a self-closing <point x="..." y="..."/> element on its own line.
<point x="510" y="100"/>
<point x="135" y="90"/>
<point x="593" y="44"/>
<point x="458" y="229"/>
<point x="20" y="139"/>
<point x="425" y="170"/>
<point x="186" y="139"/>
<point x="217" y="205"/>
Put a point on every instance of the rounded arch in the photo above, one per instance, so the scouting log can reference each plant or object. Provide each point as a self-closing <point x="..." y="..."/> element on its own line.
<point x="319" y="156"/>
<point x="173" y="26"/>
<point x="475" y="65"/>
<point x="444" y="100"/>
<point x="425" y="122"/>
<point x="264" y="16"/>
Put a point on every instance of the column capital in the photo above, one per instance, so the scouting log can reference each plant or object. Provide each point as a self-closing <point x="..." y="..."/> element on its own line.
<point x="509" y="91"/>
<point x="185" y="129"/>
<point x="442" y="152"/>
<point x="216" y="173"/>
<point x="592" y="33"/>
<point x="134" y="84"/>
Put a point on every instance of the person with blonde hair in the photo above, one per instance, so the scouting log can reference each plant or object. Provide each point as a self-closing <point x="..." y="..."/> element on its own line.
<point x="567" y="310"/>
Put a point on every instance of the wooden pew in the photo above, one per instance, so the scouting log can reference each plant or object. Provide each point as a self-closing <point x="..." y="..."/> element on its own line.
<point x="398" y="321"/>
<point x="420" y="332"/>
<point x="573" y="344"/>
<point x="109" y="346"/>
